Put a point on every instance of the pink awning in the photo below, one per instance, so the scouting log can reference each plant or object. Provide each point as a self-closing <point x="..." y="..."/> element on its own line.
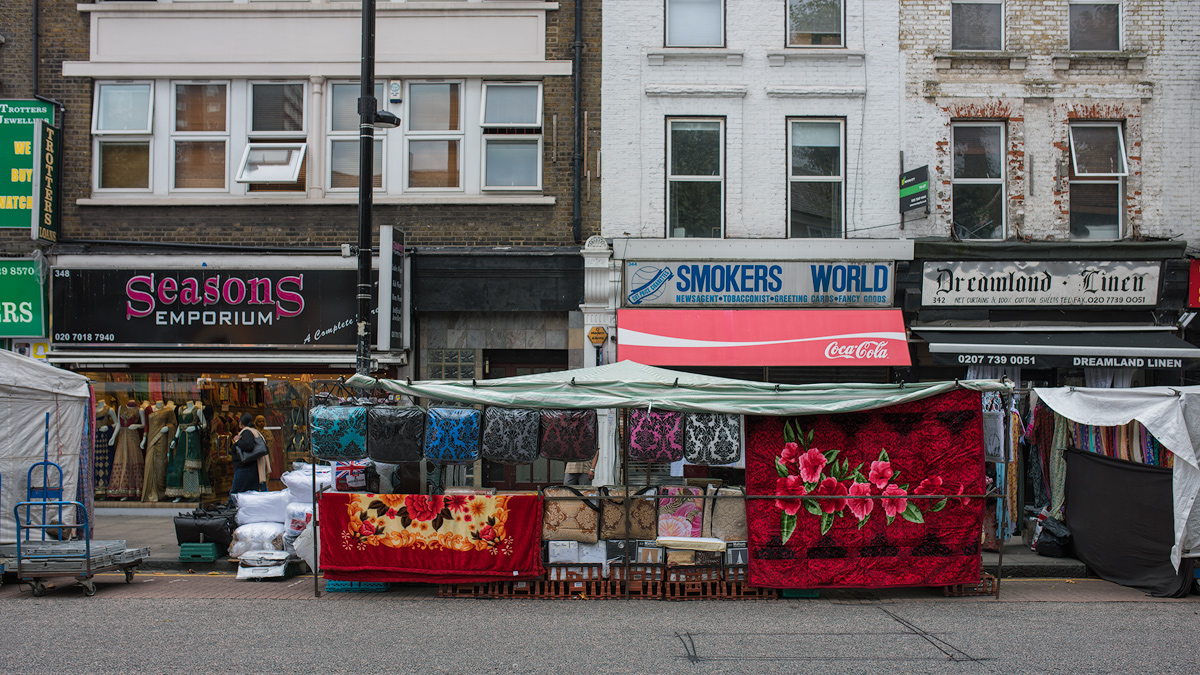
<point x="762" y="337"/>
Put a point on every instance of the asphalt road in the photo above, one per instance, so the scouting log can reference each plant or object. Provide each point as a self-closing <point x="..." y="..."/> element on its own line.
<point x="65" y="634"/>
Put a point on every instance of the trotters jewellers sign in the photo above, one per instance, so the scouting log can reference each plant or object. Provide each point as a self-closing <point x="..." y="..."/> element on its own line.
<point x="203" y="308"/>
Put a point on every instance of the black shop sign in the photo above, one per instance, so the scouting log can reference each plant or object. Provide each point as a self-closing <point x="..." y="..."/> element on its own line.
<point x="203" y="307"/>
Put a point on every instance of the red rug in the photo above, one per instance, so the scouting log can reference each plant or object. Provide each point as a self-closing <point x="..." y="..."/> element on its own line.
<point x="932" y="447"/>
<point x="430" y="539"/>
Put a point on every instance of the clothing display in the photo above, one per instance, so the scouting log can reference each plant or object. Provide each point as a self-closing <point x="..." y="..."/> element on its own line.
<point x="125" y="478"/>
<point x="655" y="436"/>
<point x="712" y="438"/>
<point x="452" y="435"/>
<point x="154" y="483"/>
<point x="570" y="516"/>
<point x="510" y="435"/>
<point x="430" y="538"/>
<point x="569" y="435"/>
<point x="339" y="432"/>
<point x="184" y="460"/>
<point x="933" y="446"/>
<point x="681" y="516"/>
<point x="395" y="434"/>
<point x="106" y="425"/>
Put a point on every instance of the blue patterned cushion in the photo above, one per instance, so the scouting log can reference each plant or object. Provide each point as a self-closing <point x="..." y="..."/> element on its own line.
<point x="339" y="432"/>
<point x="397" y="433"/>
<point x="452" y="435"/>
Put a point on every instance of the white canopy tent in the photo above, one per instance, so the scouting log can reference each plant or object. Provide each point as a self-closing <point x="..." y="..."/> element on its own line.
<point x="1172" y="415"/>
<point x="29" y="390"/>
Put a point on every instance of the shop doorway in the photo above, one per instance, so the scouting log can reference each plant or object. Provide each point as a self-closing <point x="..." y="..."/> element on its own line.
<point x="511" y="363"/>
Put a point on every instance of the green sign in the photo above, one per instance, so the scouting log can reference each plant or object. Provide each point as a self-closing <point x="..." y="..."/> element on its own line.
<point x="21" y="306"/>
<point x="914" y="189"/>
<point x="47" y="152"/>
<point x="16" y="159"/>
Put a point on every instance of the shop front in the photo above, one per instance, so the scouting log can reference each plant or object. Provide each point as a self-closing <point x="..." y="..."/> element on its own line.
<point x="179" y="348"/>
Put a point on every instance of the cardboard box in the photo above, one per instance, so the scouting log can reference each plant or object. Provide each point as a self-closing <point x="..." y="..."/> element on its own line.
<point x="562" y="552"/>
<point x="649" y="553"/>
<point x="593" y="554"/>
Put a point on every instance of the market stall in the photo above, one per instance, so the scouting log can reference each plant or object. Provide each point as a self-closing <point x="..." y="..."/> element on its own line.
<point x="933" y="505"/>
<point x="31" y="390"/>
<point x="1151" y="545"/>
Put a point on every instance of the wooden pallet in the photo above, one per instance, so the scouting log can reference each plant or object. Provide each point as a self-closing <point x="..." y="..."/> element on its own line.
<point x="693" y="583"/>
<point x="517" y="590"/>
<point x="465" y="590"/>
<point x="987" y="586"/>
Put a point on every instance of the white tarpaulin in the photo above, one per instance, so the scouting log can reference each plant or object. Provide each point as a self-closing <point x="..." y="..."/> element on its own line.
<point x="29" y="389"/>
<point x="1172" y="415"/>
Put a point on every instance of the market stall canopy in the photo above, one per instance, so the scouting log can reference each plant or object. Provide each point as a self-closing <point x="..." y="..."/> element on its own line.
<point x="626" y="384"/>
<point x="23" y="373"/>
<point x="763" y="337"/>
<point x="1172" y="415"/>
<point x="1054" y="347"/>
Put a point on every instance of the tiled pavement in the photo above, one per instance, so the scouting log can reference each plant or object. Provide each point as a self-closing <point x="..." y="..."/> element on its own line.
<point x="161" y="585"/>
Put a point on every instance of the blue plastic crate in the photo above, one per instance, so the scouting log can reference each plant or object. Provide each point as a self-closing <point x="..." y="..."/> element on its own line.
<point x="332" y="586"/>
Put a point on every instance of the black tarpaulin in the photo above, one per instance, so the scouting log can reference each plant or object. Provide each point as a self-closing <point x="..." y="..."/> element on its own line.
<point x="1120" y="516"/>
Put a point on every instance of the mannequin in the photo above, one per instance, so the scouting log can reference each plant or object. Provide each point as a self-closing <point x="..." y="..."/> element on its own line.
<point x="125" y="479"/>
<point x="184" y="459"/>
<point x="103" y="445"/>
<point x="160" y="430"/>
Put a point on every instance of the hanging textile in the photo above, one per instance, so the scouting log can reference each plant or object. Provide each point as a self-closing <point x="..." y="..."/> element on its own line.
<point x="1058" y="465"/>
<point x="993" y="426"/>
<point x="430" y="538"/>
<point x="932" y="446"/>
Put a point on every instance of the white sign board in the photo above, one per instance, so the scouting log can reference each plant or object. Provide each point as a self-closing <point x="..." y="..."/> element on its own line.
<point x="1048" y="283"/>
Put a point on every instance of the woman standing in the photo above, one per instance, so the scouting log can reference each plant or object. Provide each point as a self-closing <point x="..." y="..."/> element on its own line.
<point x="249" y="476"/>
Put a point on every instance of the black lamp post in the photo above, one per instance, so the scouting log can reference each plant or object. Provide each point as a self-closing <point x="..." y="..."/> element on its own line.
<point x="369" y="117"/>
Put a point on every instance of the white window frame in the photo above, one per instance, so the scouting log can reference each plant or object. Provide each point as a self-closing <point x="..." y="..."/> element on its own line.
<point x="198" y="136"/>
<point x="1003" y="23"/>
<point x="251" y="133"/>
<point x="719" y="178"/>
<point x="97" y="141"/>
<point x="1120" y="21"/>
<point x="352" y="134"/>
<point x="537" y="123"/>
<point x="667" y="28"/>
<point x="788" y="29"/>
<point x="96" y="131"/>
<point x="437" y="135"/>
<point x="1002" y="180"/>
<point x="487" y="138"/>
<point x="1117" y="179"/>
<point x="840" y="178"/>
<point x="293" y="166"/>
<point x="1120" y="139"/>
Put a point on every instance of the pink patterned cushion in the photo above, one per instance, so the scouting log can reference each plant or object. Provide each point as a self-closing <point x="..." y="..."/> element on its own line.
<point x="680" y="516"/>
<point x="656" y="436"/>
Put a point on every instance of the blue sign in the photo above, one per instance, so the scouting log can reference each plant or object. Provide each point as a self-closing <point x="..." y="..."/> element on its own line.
<point x="758" y="284"/>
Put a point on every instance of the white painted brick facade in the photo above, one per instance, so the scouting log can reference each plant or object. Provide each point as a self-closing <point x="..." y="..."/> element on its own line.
<point x="756" y="99"/>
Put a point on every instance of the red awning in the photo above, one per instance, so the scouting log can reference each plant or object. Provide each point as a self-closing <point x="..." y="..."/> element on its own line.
<point x="762" y="337"/>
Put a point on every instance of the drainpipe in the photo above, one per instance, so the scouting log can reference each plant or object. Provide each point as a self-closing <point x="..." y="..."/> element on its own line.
<point x="577" y="68"/>
<point x="36" y="11"/>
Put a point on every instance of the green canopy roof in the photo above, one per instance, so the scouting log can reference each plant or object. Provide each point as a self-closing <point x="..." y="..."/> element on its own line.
<point x="632" y="385"/>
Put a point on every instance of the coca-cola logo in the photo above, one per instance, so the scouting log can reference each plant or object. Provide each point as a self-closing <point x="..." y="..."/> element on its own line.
<point x="867" y="349"/>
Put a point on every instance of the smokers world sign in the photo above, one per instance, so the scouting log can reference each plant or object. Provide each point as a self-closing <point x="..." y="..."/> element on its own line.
<point x="313" y="308"/>
<point x="1040" y="284"/>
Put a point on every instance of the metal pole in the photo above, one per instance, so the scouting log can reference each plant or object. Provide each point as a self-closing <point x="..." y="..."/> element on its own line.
<point x="366" y="185"/>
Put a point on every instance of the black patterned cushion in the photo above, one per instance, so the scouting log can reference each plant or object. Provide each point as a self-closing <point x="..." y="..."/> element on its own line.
<point x="510" y="435"/>
<point x="712" y="438"/>
<point x="395" y="433"/>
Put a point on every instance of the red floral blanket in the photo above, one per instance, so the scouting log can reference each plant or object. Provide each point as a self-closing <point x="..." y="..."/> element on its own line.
<point x="432" y="539"/>
<point x="930" y="447"/>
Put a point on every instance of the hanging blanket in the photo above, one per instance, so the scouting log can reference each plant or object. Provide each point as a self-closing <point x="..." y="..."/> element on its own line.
<point x="929" y="447"/>
<point x="430" y="539"/>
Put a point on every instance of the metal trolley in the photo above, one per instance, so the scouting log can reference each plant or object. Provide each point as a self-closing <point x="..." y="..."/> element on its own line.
<point x="81" y="558"/>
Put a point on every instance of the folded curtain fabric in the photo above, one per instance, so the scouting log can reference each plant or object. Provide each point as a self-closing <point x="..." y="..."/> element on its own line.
<point x="395" y="434"/>
<point x="510" y="435"/>
<point x="712" y="438"/>
<point x="430" y="538"/>
<point x="643" y="514"/>
<point x="568" y="435"/>
<point x="572" y="519"/>
<point x="339" y="432"/>
<point x="655" y="436"/>
<point x="452" y="435"/>
<point x="681" y="516"/>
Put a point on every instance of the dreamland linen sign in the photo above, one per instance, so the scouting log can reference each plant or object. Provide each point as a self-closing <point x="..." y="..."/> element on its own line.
<point x="1040" y="284"/>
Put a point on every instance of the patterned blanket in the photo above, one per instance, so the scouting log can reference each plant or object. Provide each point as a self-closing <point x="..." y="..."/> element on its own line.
<point x="430" y="538"/>
<point x="884" y="537"/>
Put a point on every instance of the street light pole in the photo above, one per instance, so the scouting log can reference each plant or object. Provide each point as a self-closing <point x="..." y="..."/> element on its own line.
<point x="367" y="107"/>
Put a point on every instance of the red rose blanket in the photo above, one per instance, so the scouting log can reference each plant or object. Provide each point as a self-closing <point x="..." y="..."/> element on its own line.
<point x="430" y="538"/>
<point x="932" y="447"/>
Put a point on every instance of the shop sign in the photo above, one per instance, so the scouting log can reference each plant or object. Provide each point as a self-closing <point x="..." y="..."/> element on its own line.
<point x="1049" y="283"/>
<point x="21" y="313"/>
<point x="746" y="283"/>
<point x="1001" y="358"/>
<point x="914" y="189"/>
<point x="17" y="161"/>
<point x="1194" y="284"/>
<point x="203" y="307"/>
<point x="46" y="187"/>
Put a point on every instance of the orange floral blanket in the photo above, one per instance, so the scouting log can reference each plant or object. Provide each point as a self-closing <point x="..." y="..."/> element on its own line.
<point x="430" y="538"/>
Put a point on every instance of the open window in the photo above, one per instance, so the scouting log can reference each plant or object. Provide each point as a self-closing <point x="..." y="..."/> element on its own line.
<point x="275" y="158"/>
<point x="1098" y="170"/>
<point x="271" y="163"/>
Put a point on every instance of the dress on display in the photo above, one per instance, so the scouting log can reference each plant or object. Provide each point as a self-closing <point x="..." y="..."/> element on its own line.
<point x="184" y="461"/>
<point x="154" y="486"/>
<point x="103" y="452"/>
<point x="125" y="479"/>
